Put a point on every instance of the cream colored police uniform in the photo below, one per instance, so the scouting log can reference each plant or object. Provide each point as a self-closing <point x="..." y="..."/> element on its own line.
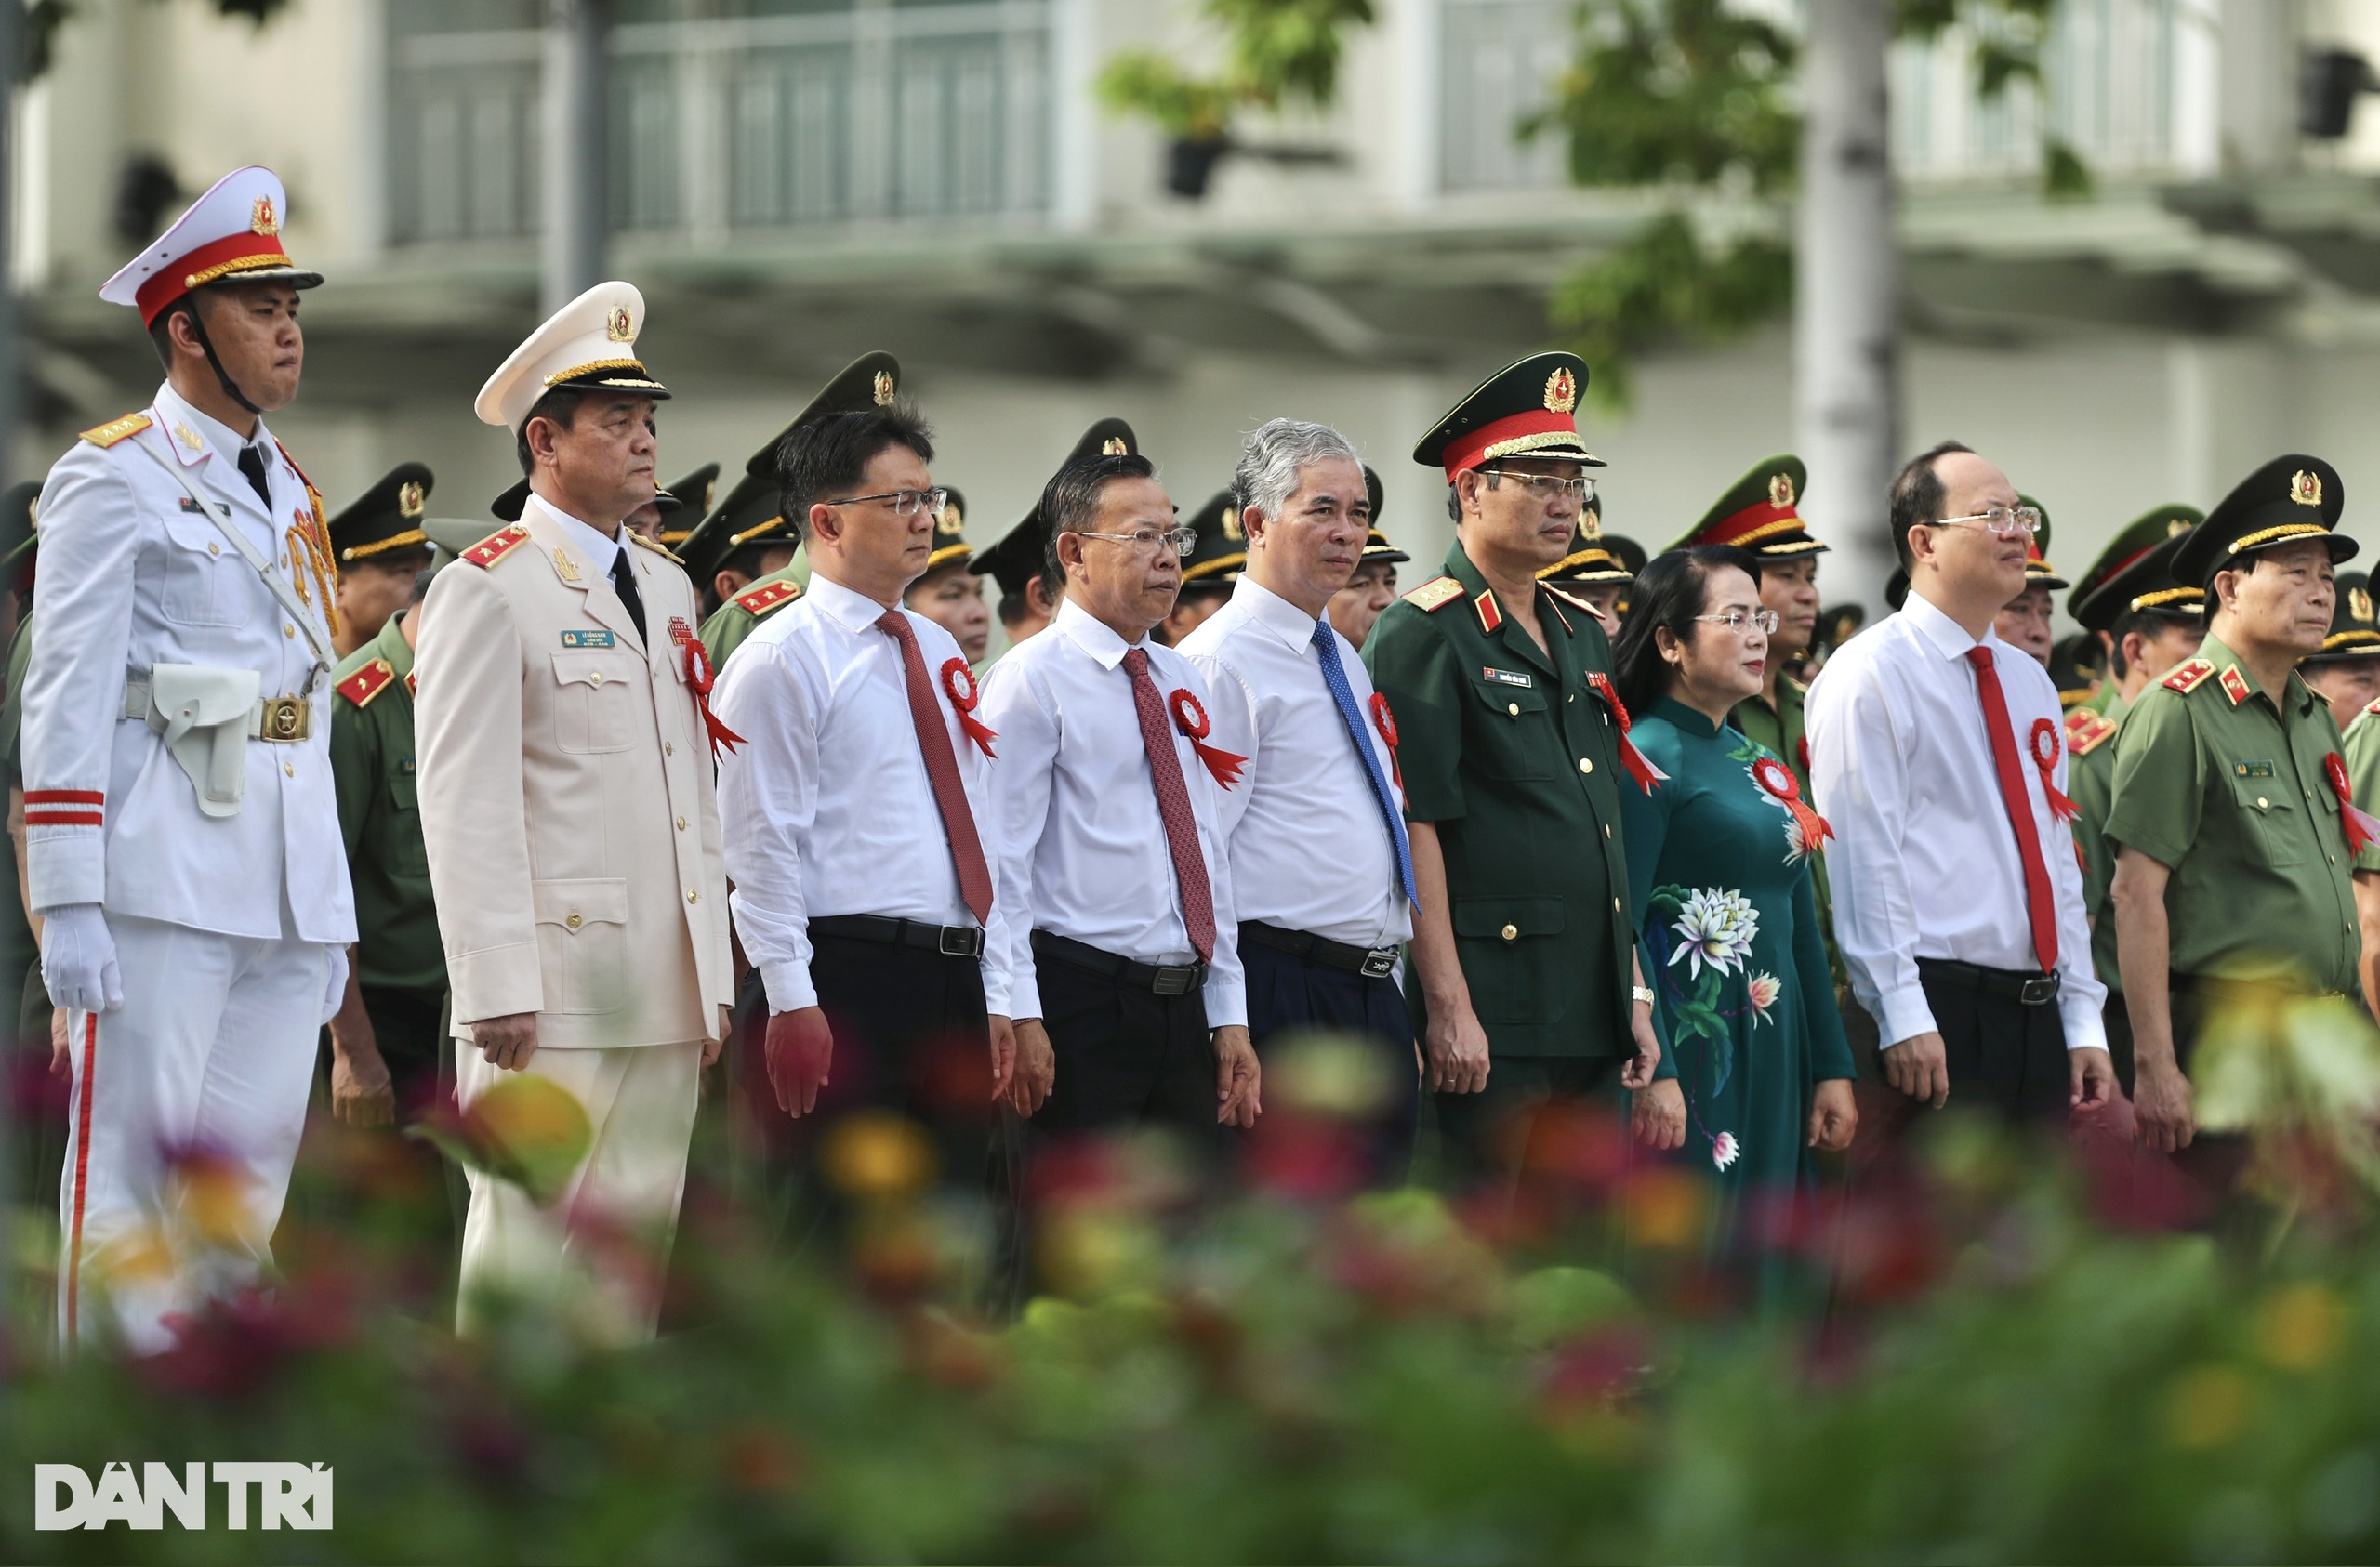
<point x="216" y="866"/>
<point x="567" y="805"/>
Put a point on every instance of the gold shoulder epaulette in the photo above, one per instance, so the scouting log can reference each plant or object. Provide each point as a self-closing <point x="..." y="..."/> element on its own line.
<point x="367" y="682"/>
<point x="2086" y="731"/>
<point x="496" y="546"/>
<point x="106" y="435"/>
<point x="762" y="599"/>
<point x="661" y="549"/>
<point x="1568" y="598"/>
<point x="1435" y="594"/>
<point x="2187" y="678"/>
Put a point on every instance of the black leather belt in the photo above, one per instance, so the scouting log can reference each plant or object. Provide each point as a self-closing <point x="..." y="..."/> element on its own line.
<point x="950" y="941"/>
<point x="2029" y="987"/>
<point x="1372" y="963"/>
<point x="1155" y="979"/>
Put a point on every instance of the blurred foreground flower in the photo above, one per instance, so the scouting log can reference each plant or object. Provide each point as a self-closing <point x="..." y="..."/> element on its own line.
<point x="2301" y="1075"/>
<point x="873" y="1154"/>
<point x="526" y="1129"/>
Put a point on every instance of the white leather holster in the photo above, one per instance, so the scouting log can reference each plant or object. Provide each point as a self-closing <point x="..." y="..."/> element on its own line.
<point x="205" y="716"/>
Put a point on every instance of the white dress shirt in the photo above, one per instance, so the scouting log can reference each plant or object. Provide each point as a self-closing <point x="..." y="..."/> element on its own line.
<point x="828" y="807"/>
<point x="1923" y="861"/>
<point x="1079" y="831"/>
<point x="1310" y="849"/>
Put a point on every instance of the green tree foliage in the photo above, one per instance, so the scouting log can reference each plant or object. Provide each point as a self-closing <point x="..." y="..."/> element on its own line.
<point x="37" y="44"/>
<point x="1276" y="53"/>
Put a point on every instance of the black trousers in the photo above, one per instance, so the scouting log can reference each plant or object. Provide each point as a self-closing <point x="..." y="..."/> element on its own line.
<point x="2003" y="1055"/>
<point x="1125" y="1058"/>
<point x="407" y="1023"/>
<point x="1287" y="995"/>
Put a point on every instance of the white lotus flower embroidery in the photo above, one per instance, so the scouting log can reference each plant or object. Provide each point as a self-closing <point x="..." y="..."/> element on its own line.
<point x="1715" y="926"/>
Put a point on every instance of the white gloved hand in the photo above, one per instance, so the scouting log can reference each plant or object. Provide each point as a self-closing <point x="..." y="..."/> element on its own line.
<point x="336" y="997"/>
<point x="78" y="963"/>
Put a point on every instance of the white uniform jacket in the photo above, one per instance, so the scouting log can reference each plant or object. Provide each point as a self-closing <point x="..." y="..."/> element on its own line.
<point x="566" y="795"/>
<point x="132" y="576"/>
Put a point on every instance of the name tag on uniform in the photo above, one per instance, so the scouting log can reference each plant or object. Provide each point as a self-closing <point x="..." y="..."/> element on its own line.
<point x="197" y="510"/>
<point x="587" y="639"/>
<point x="2252" y="770"/>
<point x="1509" y="676"/>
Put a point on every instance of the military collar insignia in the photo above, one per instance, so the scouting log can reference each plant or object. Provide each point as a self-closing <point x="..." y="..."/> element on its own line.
<point x="1490" y="616"/>
<point x="2235" y="685"/>
<point x="566" y="568"/>
<point x="186" y="435"/>
<point x="367" y="682"/>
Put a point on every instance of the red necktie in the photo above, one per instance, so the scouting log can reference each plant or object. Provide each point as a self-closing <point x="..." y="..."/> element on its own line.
<point x="941" y="767"/>
<point x="2038" y="901"/>
<point x="1174" y="804"/>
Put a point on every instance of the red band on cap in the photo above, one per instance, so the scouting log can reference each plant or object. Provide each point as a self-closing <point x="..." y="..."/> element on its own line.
<point x="1469" y="450"/>
<point x="217" y="257"/>
<point x="1751" y="522"/>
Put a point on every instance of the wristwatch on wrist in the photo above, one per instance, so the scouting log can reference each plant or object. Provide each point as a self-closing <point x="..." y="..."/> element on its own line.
<point x="1641" y="994"/>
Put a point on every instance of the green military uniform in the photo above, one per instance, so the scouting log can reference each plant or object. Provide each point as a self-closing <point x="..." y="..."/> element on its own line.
<point x="740" y="616"/>
<point x="1513" y="753"/>
<point x="40" y="1150"/>
<point x="2226" y="785"/>
<point x="687" y="500"/>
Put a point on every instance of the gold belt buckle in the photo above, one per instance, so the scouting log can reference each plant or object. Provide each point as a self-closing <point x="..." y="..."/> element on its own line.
<point x="286" y="718"/>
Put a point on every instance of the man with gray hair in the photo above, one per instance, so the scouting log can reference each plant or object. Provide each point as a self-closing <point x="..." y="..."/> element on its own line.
<point x="1320" y="866"/>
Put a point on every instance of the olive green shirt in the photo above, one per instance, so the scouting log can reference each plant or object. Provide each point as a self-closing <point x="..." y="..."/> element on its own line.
<point x="2226" y="788"/>
<point x="731" y="623"/>
<point x="1513" y="754"/>
<point x="2361" y="751"/>
<point x="21" y="658"/>
<point x="1783" y="730"/>
<point x="380" y="817"/>
<point x="2091" y="784"/>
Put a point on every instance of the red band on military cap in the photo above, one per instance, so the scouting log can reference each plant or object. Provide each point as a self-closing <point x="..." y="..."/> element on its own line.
<point x="1469" y="450"/>
<point x="1751" y="524"/>
<point x="235" y="253"/>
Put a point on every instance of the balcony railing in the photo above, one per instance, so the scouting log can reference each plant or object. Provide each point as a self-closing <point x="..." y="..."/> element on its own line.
<point x="867" y="113"/>
<point x="2110" y="67"/>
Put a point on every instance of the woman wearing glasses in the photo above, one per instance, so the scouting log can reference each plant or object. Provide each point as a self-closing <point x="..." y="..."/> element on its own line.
<point x="1719" y="861"/>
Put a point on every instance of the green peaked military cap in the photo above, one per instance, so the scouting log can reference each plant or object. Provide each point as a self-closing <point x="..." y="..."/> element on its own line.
<point x="2290" y="498"/>
<point x="1595" y="555"/>
<point x="1837" y="624"/>
<point x="1018" y="558"/>
<point x="1377" y="549"/>
<point x="2135" y="574"/>
<point x="2077" y="662"/>
<point x="2353" y="632"/>
<point x="692" y="495"/>
<point x="1221" y="552"/>
<point x="385" y="516"/>
<point x="20" y="529"/>
<point x="1527" y="409"/>
<point x="2038" y="572"/>
<point x="873" y="380"/>
<point x="950" y="534"/>
<point x="1758" y="512"/>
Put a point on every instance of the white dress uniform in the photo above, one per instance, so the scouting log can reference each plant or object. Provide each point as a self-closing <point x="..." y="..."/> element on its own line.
<point x="568" y="809"/>
<point x="229" y="913"/>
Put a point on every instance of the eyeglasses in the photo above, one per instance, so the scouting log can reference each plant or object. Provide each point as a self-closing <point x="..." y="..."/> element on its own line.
<point x="904" y="502"/>
<point x="1148" y="540"/>
<point x="1545" y="486"/>
<point x="2000" y="521"/>
<point x="1736" y="620"/>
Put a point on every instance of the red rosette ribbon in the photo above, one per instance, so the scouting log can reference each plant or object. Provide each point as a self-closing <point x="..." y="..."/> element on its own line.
<point x="1191" y="720"/>
<point x="699" y="676"/>
<point x="1777" y="779"/>
<point x="2045" y="743"/>
<point x="1385" y="722"/>
<point x="1638" y="767"/>
<point x="2362" y="827"/>
<point x="959" y="684"/>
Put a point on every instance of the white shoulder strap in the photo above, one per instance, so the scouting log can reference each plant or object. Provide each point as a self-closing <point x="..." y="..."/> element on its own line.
<point x="261" y="564"/>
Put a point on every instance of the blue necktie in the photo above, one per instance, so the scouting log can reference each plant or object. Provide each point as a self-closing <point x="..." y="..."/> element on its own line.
<point x="1326" y="645"/>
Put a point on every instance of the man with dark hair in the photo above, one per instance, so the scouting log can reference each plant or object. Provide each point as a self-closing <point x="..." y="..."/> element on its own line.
<point x="182" y="837"/>
<point x="1499" y="691"/>
<point x="2235" y="836"/>
<point x="573" y="833"/>
<point x="2149" y="623"/>
<point x="1935" y="753"/>
<point x="1124" y="975"/>
<point x="858" y="808"/>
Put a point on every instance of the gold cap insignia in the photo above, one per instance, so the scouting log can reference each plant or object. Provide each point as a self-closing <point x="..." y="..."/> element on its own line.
<point x="617" y="326"/>
<point x="1562" y="391"/>
<point x="1232" y="529"/>
<point x="2305" y="488"/>
<point x="948" y="524"/>
<point x="883" y="388"/>
<point x="1591" y="525"/>
<point x="2358" y="604"/>
<point x="409" y="499"/>
<point x="710" y="488"/>
<point x="2177" y="527"/>
<point x="1781" y="489"/>
<point x="1113" y="447"/>
<point x="32" y="509"/>
<point x="260" y="218"/>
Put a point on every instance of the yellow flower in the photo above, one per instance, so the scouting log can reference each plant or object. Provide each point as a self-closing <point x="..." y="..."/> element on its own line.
<point x="878" y="1155"/>
<point x="2300" y="1327"/>
<point x="2207" y="1406"/>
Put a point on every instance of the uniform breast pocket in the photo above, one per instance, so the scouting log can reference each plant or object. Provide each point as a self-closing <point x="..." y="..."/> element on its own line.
<point x="1509" y="725"/>
<point x="596" y="700"/>
<point x="407" y="854"/>
<point x="2281" y="825"/>
<point x="1511" y="957"/>
<point x="203" y="573"/>
<point x="582" y="943"/>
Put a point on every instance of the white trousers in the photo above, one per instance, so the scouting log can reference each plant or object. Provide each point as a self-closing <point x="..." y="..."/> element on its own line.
<point x="190" y="1100"/>
<point x="599" y="1253"/>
